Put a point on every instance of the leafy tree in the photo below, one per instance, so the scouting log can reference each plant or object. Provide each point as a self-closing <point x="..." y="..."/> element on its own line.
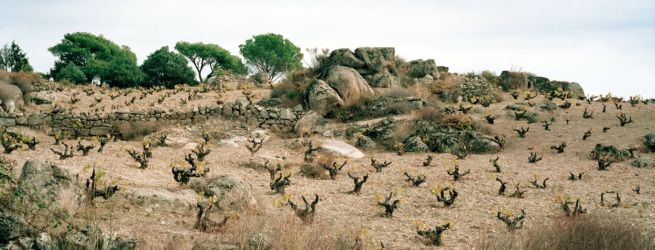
<point x="71" y="73"/>
<point x="12" y="58"/>
<point x="271" y="54"/>
<point x="97" y="56"/>
<point x="212" y="56"/>
<point x="123" y="71"/>
<point x="166" y="68"/>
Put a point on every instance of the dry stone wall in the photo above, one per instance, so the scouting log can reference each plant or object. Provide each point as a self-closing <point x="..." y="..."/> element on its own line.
<point x="90" y="124"/>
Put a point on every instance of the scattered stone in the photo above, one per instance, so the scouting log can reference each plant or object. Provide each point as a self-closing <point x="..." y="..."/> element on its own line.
<point x="342" y="148"/>
<point x="365" y="142"/>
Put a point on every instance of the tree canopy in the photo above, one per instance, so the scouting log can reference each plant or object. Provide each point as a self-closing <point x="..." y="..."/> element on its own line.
<point x="212" y="56"/>
<point x="166" y="68"/>
<point x="12" y="58"/>
<point x="97" y="56"/>
<point x="271" y="54"/>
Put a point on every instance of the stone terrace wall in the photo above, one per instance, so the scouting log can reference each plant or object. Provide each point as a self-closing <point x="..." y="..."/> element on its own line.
<point x="89" y="124"/>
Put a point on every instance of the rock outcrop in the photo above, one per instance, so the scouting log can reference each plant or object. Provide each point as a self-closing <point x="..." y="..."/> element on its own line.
<point x="421" y="68"/>
<point x="376" y="64"/>
<point x="521" y="80"/>
<point x="349" y="84"/>
<point x="322" y="98"/>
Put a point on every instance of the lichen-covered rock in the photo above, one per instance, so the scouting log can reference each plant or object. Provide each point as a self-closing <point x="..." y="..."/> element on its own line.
<point x="522" y="80"/>
<point x="349" y="84"/>
<point x="53" y="186"/>
<point x="382" y="79"/>
<point x="421" y="68"/>
<point x="365" y="142"/>
<point x="375" y="64"/>
<point x="649" y="141"/>
<point x="346" y="58"/>
<point x="382" y="131"/>
<point x="513" y="80"/>
<point x="415" y="144"/>
<point x="376" y="59"/>
<point x="643" y="162"/>
<point x="322" y="98"/>
<point x="483" y="145"/>
<point x="470" y="88"/>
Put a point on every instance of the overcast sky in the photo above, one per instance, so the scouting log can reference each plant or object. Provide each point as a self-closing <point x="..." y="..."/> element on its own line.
<point x="603" y="45"/>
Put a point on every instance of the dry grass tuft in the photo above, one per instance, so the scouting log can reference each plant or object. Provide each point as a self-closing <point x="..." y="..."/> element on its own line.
<point x="129" y="131"/>
<point x="598" y="231"/>
<point x="288" y="232"/>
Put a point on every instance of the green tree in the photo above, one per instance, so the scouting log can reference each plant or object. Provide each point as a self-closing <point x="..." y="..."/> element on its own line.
<point x="166" y="68"/>
<point x="97" y="56"/>
<point x="12" y="58"/>
<point x="271" y="54"/>
<point x="71" y="73"/>
<point x="212" y="56"/>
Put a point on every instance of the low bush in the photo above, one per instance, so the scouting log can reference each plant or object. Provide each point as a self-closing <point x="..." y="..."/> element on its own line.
<point x="291" y="90"/>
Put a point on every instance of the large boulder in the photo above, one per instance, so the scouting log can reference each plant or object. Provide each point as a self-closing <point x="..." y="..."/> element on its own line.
<point x="521" y="80"/>
<point x="308" y="122"/>
<point x="349" y="84"/>
<point x="52" y="186"/>
<point x="421" y="68"/>
<point x="11" y="97"/>
<point x="416" y="144"/>
<point x="322" y="98"/>
<point x="346" y="58"/>
<point x="375" y="64"/>
<point x="382" y="132"/>
<point x="342" y="148"/>
<point x="376" y="59"/>
<point x="514" y="80"/>
<point x="383" y="79"/>
<point x="41" y="192"/>
<point x="231" y="192"/>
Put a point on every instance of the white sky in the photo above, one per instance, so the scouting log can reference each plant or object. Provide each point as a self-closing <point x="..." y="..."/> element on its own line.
<point x="603" y="45"/>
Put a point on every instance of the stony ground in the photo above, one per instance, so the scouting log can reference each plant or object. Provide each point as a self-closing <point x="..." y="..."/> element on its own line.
<point x="165" y="225"/>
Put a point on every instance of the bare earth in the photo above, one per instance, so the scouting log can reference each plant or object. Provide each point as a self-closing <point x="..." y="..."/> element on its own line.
<point x="472" y="216"/>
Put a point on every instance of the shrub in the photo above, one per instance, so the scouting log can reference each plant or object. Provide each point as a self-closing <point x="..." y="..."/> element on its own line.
<point x="166" y="68"/>
<point x="388" y="104"/>
<point x="71" y="73"/>
<point x="599" y="231"/>
<point x="291" y="90"/>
